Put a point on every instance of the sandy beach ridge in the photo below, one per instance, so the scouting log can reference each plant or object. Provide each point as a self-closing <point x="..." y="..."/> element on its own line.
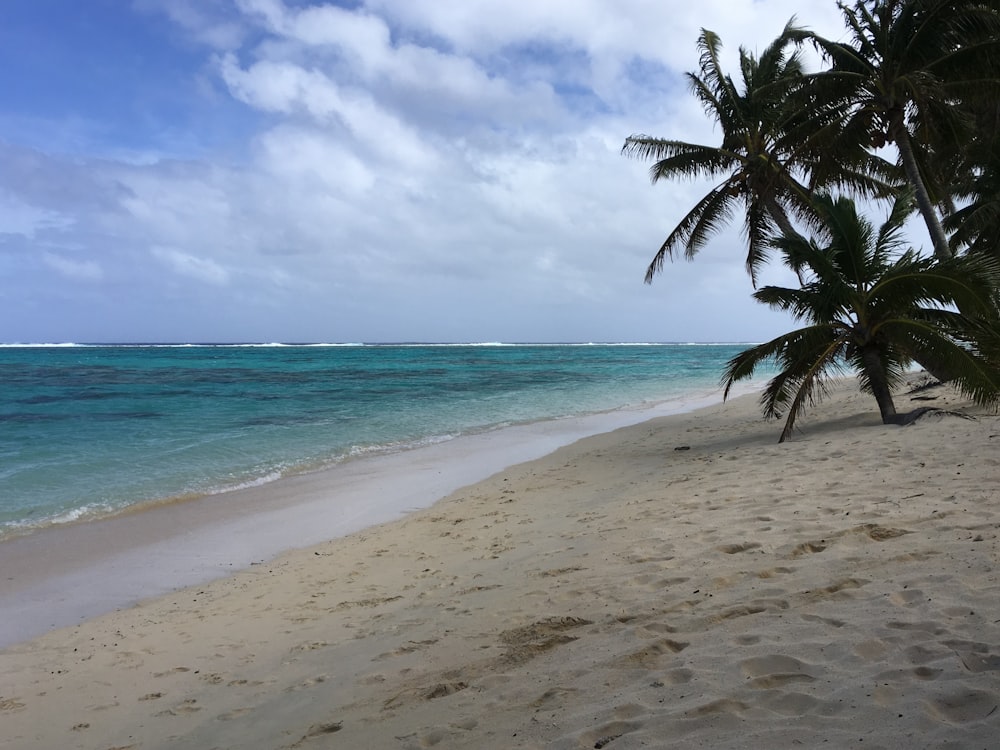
<point x="684" y="582"/>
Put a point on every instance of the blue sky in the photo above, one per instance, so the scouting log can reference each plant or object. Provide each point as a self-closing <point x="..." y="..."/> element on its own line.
<point x="385" y="170"/>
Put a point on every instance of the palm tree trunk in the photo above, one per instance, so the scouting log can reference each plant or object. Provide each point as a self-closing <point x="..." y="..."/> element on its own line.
<point x="942" y="250"/>
<point x="879" y="383"/>
<point x="901" y="136"/>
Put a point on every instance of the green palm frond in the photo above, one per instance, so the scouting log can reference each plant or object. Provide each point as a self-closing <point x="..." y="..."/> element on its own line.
<point x="890" y="235"/>
<point x="809" y="381"/>
<point x="758" y="228"/>
<point x="717" y="212"/>
<point x="806" y="357"/>
<point x="709" y="214"/>
<point x="709" y="45"/>
<point x="802" y="256"/>
<point x="966" y="282"/>
<point x="906" y="77"/>
<point x="974" y="375"/>
<point x="690" y="160"/>
<point x="875" y="308"/>
<point x="921" y="74"/>
<point x="767" y="156"/>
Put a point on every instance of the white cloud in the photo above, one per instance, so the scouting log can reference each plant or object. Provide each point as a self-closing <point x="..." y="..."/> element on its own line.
<point x="364" y="37"/>
<point x="413" y="169"/>
<point x="281" y="87"/>
<point x="289" y="89"/>
<point x="650" y="29"/>
<point x="18" y="216"/>
<point x="205" y="20"/>
<point x="185" y="264"/>
<point x="271" y="11"/>
<point x="80" y="270"/>
<point x="176" y="205"/>
<point x="314" y="160"/>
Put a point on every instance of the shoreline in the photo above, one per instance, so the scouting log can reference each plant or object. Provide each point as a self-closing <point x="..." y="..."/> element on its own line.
<point x="685" y="580"/>
<point x="152" y="548"/>
<point x="164" y="425"/>
<point x="670" y="404"/>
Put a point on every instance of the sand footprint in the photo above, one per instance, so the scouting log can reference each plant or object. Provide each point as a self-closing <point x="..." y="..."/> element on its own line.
<point x="427" y="693"/>
<point x="734" y="549"/>
<point x="10" y="704"/>
<point x="234" y="714"/>
<point x="188" y="706"/>
<point x="553" y="697"/>
<point x="754" y="607"/>
<point x="553" y="572"/>
<point x="604" y="735"/>
<point x="654" y="630"/>
<point x="836" y="590"/>
<point x="774" y="572"/>
<point x="320" y="730"/>
<point x="931" y="627"/>
<point x="651" y="654"/>
<point x="721" y="706"/>
<point x="807" y="548"/>
<point x="776" y="670"/>
<point x="793" y="704"/>
<point x="175" y="670"/>
<point x="824" y="620"/>
<point x="306" y="684"/>
<point x="963" y="706"/>
<point x="880" y="533"/>
<point x="680" y="676"/>
<point x="907" y="597"/>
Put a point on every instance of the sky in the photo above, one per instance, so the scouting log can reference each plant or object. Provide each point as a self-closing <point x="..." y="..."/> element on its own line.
<point x="367" y="171"/>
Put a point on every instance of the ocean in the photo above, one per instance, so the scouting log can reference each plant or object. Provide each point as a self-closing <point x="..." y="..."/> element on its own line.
<point x="92" y="430"/>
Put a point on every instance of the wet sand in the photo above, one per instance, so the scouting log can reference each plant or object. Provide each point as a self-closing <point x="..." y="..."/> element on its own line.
<point x="681" y="582"/>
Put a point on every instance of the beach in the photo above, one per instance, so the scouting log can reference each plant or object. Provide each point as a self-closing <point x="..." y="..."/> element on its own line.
<point x="682" y="582"/>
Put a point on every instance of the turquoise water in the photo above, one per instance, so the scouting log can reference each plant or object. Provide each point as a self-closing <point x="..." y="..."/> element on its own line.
<point x="90" y="430"/>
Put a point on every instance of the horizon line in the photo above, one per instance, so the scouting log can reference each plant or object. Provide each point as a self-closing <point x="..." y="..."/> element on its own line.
<point x="138" y="344"/>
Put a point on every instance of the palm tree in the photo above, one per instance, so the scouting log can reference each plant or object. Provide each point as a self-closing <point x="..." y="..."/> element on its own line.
<point x="975" y="224"/>
<point x="867" y="305"/>
<point x="908" y="64"/>
<point x="771" y="156"/>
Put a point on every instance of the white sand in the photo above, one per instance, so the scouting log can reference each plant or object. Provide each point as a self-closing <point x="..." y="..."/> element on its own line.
<point x="837" y="590"/>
